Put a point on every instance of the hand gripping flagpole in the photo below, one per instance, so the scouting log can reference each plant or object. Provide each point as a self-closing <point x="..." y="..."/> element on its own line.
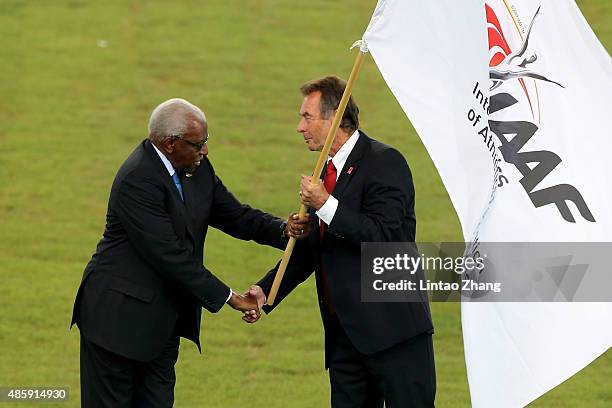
<point x="316" y="174"/>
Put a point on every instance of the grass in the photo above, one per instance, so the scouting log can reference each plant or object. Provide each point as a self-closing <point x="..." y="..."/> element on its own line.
<point x="72" y="111"/>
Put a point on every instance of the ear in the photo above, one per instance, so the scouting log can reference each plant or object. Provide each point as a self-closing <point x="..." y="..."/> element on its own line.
<point x="167" y="145"/>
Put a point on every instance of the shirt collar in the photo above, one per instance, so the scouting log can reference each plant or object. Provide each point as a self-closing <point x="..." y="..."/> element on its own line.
<point x="343" y="153"/>
<point x="165" y="160"/>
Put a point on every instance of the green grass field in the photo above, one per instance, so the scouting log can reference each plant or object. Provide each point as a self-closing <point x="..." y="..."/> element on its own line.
<point x="72" y="110"/>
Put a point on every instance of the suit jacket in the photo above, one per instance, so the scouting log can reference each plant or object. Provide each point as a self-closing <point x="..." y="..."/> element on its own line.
<point x="375" y="204"/>
<point x="146" y="280"/>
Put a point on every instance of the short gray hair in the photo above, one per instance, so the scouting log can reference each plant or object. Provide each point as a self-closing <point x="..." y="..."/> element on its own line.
<point x="171" y="118"/>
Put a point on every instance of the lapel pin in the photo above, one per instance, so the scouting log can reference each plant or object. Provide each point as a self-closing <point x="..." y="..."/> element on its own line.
<point x="350" y="170"/>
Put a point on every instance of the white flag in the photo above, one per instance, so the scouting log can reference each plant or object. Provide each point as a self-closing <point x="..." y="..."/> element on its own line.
<point x="512" y="100"/>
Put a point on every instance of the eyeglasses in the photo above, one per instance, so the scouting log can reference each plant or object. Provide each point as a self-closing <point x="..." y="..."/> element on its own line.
<point x="196" y="146"/>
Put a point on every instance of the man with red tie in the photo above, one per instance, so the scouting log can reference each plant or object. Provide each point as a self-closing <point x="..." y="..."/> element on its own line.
<point x="376" y="353"/>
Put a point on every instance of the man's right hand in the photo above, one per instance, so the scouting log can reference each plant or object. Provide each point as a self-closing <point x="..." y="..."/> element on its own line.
<point x="246" y="304"/>
<point x="257" y="292"/>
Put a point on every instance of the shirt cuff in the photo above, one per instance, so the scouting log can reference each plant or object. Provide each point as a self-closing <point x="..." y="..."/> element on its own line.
<point x="229" y="296"/>
<point x="328" y="210"/>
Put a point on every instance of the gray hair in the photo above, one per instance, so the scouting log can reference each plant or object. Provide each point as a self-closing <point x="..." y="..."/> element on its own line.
<point x="171" y="118"/>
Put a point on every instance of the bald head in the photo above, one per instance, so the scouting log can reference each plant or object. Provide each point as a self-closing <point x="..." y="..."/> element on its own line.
<point x="173" y="117"/>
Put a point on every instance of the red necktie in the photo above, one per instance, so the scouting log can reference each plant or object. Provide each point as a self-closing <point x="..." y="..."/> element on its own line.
<point x="329" y="181"/>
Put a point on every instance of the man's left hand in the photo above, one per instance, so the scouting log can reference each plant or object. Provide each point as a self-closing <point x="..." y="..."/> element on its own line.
<point x="313" y="195"/>
<point x="298" y="227"/>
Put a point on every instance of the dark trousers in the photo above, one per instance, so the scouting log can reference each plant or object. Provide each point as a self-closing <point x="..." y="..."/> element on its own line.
<point x="401" y="376"/>
<point x="113" y="381"/>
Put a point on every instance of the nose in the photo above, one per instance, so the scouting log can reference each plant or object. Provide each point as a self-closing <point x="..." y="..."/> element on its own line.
<point x="301" y="128"/>
<point x="204" y="150"/>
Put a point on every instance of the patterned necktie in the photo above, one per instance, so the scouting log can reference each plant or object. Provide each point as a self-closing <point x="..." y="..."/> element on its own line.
<point x="177" y="183"/>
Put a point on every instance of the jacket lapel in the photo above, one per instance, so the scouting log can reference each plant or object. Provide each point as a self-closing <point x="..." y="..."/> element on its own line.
<point x="191" y="197"/>
<point x="163" y="175"/>
<point x="352" y="164"/>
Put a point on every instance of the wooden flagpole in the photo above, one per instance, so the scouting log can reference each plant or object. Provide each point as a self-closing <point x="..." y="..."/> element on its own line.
<point x="316" y="174"/>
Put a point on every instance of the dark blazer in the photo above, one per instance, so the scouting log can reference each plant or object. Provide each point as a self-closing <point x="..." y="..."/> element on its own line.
<point x="146" y="280"/>
<point x="375" y="204"/>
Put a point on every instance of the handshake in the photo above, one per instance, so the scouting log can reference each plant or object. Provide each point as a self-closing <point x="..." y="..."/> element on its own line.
<point x="249" y="303"/>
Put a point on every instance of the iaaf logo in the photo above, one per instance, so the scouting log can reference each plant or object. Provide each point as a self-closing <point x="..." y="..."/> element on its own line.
<point x="512" y="63"/>
<point x="506" y="64"/>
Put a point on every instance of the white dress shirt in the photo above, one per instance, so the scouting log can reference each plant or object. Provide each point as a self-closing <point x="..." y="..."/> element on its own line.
<point x="165" y="160"/>
<point x="328" y="210"/>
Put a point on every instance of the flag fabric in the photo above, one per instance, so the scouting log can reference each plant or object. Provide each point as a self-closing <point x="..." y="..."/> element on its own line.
<point x="512" y="101"/>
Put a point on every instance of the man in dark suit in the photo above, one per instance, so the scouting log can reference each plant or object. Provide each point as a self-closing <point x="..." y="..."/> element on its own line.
<point x="375" y="352"/>
<point x="146" y="284"/>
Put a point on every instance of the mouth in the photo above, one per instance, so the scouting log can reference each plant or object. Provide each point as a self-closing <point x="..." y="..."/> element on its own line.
<point x="193" y="166"/>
